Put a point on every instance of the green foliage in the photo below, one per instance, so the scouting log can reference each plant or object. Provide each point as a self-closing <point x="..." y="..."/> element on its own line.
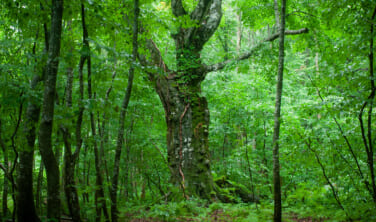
<point x="199" y="210"/>
<point x="326" y="83"/>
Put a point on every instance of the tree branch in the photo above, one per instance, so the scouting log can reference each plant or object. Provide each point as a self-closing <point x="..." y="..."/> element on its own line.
<point x="209" y="25"/>
<point x="6" y="173"/>
<point x="200" y="11"/>
<point x="221" y="65"/>
<point x="207" y="15"/>
<point x="301" y="12"/>
<point x="276" y="12"/>
<point x="178" y="8"/>
<point x="155" y="60"/>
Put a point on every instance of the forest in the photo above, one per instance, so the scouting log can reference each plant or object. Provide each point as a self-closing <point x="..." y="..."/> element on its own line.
<point x="187" y="110"/>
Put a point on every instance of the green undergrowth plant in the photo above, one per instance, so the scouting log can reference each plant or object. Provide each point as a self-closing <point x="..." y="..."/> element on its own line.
<point x="198" y="210"/>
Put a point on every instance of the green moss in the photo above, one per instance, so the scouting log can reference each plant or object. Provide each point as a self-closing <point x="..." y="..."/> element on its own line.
<point x="232" y="192"/>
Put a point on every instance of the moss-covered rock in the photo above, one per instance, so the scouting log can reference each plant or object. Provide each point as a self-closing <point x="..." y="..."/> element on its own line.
<point x="231" y="192"/>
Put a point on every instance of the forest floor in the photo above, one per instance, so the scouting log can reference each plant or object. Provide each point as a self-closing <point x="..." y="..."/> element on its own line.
<point x="220" y="216"/>
<point x="216" y="212"/>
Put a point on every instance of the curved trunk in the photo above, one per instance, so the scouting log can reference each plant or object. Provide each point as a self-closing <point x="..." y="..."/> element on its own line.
<point x="187" y="118"/>
<point x="69" y="181"/>
<point x="47" y="116"/>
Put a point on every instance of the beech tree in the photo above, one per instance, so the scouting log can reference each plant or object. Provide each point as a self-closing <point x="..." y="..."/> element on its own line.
<point x="187" y="113"/>
<point x="110" y="147"/>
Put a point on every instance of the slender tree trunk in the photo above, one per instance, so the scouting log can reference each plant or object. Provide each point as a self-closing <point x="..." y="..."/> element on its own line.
<point x="100" y="201"/>
<point x="239" y="34"/>
<point x="5" y="188"/>
<point x="264" y="159"/>
<point x="128" y="150"/>
<point x="120" y="139"/>
<point x="70" y="158"/>
<point x="102" y="127"/>
<point x="277" y="116"/>
<point x="276" y="14"/>
<point x="367" y="134"/>
<point x="4" y="148"/>
<point x="81" y="109"/>
<point x="334" y="192"/>
<point x="38" y="195"/>
<point x="41" y="166"/>
<point x="69" y="179"/>
<point x="46" y="126"/>
<point x="86" y="174"/>
<point x="15" y="161"/>
<point x="249" y="166"/>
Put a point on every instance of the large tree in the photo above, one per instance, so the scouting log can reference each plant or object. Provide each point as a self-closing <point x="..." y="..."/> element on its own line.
<point x="187" y="113"/>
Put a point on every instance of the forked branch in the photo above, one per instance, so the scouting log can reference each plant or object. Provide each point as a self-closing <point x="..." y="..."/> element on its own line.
<point x="177" y="8"/>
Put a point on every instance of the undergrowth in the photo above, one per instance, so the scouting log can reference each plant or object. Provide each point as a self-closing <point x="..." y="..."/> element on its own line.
<point x="201" y="210"/>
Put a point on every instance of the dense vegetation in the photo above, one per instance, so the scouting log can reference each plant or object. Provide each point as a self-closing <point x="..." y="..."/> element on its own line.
<point x="126" y="110"/>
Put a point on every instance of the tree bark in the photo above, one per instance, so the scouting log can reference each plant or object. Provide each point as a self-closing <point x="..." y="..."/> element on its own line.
<point x="120" y="139"/>
<point x="187" y="117"/>
<point x="38" y="195"/>
<point x="25" y="201"/>
<point x="277" y="116"/>
<point x="70" y="158"/>
<point x="247" y="55"/>
<point x="69" y="178"/>
<point x="367" y="135"/>
<point x="15" y="161"/>
<point x="100" y="201"/>
<point x="187" y="114"/>
<point x="239" y="33"/>
<point x="46" y="126"/>
<point x="276" y="14"/>
<point x="5" y="168"/>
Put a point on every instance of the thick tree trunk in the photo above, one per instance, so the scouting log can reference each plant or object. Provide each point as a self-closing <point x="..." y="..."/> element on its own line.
<point x="46" y="126"/>
<point x="187" y="118"/>
<point x="25" y="201"/>
<point x="187" y="114"/>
